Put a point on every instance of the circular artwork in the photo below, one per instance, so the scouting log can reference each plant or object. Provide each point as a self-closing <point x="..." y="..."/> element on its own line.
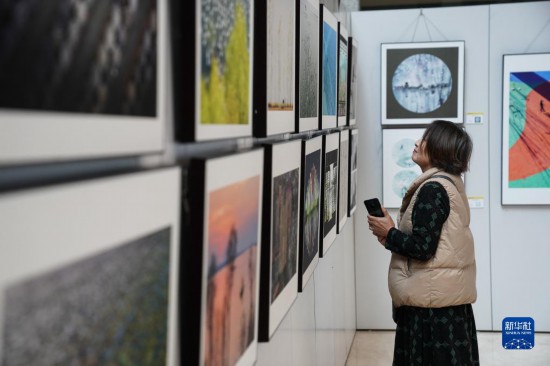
<point x="402" y="153"/>
<point x="402" y="181"/>
<point x="422" y="83"/>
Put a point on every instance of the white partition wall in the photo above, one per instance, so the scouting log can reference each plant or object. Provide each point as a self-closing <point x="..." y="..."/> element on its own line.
<point x="511" y="244"/>
<point x="520" y="244"/>
<point x="320" y="326"/>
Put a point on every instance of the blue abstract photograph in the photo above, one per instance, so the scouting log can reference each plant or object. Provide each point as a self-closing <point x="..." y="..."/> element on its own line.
<point x="329" y="70"/>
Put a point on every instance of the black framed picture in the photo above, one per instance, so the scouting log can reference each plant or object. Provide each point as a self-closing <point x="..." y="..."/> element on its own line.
<point x="342" y="75"/>
<point x="353" y="145"/>
<point x="310" y="215"/>
<point x="352" y="77"/>
<point x="307" y="65"/>
<point x="81" y="80"/>
<point x="212" y="65"/>
<point x="329" y="192"/>
<point x="422" y="82"/>
<point x="343" y="180"/>
<point x="525" y="132"/>
<point x="274" y="65"/>
<point x="220" y="278"/>
<point x="328" y="72"/>
<point x="97" y="270"/>
<point x="279" y="263"/>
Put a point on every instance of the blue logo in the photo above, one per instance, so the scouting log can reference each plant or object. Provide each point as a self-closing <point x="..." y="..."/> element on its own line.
<point x="518" y="333"/>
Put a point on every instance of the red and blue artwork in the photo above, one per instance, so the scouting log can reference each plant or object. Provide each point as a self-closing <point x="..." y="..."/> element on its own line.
<point x="529" y="130"/>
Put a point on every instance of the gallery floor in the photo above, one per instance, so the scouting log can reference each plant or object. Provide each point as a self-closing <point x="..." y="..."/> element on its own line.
<point x="375" y="348"/>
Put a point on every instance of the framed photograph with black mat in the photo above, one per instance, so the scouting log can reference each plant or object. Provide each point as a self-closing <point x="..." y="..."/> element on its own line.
<point x="353" y="145"/>
<point x="91" y="266"/>
<point x="307" y="52"/>
<point x="328" y="72"/>
<point x="422" y="82"/>
<point x="212" y="67"/>
<point x="81" y="80"/>
<point x="342" y="75"/>
<point x="279" y="263"/>
<point x="526" y="129"/>
<point x="220" y="277"/>
<point x="274" y="67"/>
<point x="310" y="215"/>
<point x="343" y="179"/>
<point x="329" y="192"/>
<point x="352" y="84"/>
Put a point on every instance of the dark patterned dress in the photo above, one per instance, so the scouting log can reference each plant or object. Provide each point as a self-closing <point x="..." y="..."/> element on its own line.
<point x="430" y="336"/>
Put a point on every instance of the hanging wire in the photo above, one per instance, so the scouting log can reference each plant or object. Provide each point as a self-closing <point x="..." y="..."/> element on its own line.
<point x="416" y="25"/>
<point x="413" y="23"/>
<point x="436" y="28"/>
<point x="537" y="36"/>
<point x="427" y="24"/>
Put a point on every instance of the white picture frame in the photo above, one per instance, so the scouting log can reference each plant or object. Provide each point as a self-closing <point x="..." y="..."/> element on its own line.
<point x="57" y="237"/>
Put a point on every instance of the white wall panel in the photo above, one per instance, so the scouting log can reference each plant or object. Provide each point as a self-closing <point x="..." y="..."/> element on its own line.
<point x="324" y="307"/>
<point x="443" y="24"/>
<point x="320" y="326"/>
<point x="303" y="325"/>
<point x="519" y="234"/>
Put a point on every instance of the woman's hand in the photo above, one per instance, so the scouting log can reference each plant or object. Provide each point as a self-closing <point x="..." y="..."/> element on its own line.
<point x="381" y="225"/>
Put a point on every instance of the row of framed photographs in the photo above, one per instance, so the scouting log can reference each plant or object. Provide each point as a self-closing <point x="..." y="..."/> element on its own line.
<point x="224" y="263"/>
<point x="96" y="93"/>
<point x="525" y="121"/>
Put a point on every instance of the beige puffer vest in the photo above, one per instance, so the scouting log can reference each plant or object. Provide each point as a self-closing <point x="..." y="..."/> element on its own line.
<point x="449" y="278"/>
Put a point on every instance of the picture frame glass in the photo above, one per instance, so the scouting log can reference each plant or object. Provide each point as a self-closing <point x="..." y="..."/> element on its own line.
<point x="281" y="49"/>
<point x="308" y="86"/>
<point x="224" y="60"/>
<point x="99" y="83"/>
<point x="399" y="170"/>
<point x="525" y="140"/>
<point x="422" y="82"/>
<point x="231" y="262"/>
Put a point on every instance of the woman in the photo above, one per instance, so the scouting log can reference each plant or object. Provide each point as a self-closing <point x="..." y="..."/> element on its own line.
<point x="432" y="275"/>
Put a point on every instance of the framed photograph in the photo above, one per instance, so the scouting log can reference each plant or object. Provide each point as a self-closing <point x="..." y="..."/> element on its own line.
<point x="422" y="82"/>
<point x="279" y="264"/>
<point x="353" y="141"/>
<point x="308" y="65"/>
<point x="91" y="266"/>
<point x="526" y="129"/>
<point x="221" y="273"/>
<point x="310" y="215"/>
<point x="329" y="193"/>
<point x="352" y="77"/>
<point x="78" y="82"/>
<point x="328" y="72"/>
<point x="343" y="180"/>
<point x="274" y="67"/>
<point x="399" y="170"/>
<point x="342" y="75"/>
<point x="212" y="66"/>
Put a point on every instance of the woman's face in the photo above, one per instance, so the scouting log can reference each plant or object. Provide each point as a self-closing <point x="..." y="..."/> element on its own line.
<point x="420" y="156"/>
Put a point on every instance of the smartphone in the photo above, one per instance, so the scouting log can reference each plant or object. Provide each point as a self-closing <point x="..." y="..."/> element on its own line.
<point x="373" y="207"/>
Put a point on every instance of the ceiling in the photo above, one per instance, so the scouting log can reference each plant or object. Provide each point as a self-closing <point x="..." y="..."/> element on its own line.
<point x="403" y="4"/>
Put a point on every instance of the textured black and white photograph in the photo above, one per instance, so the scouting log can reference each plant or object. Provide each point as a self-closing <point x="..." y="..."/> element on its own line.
<point x="97" y="57"/>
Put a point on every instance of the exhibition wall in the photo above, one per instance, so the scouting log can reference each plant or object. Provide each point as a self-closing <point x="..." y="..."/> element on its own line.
<point x="511" y="248"/>
<point x="140" y="191"/>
